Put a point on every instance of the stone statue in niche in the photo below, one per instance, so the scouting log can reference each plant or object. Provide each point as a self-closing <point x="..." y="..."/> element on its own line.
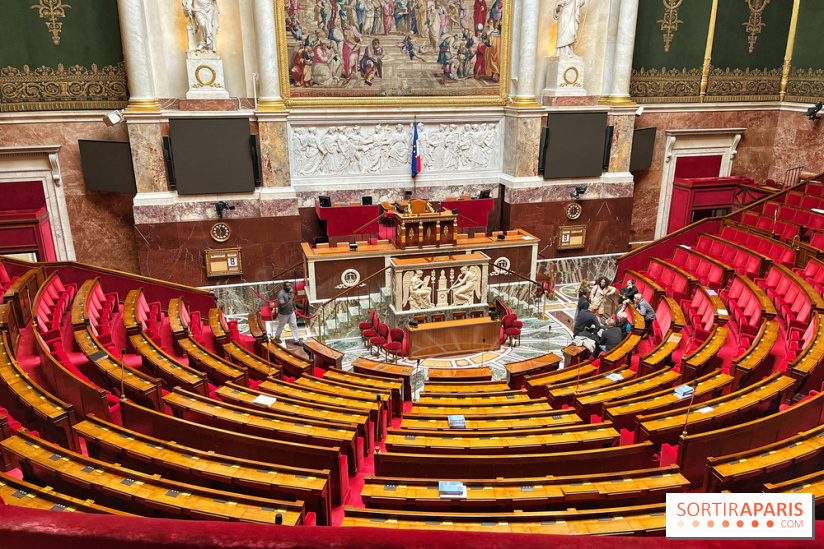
<point x="416" y="290"/>
<point x="467" y="286"/>
<point x="568" y="14"/>
<point x="203" y="24"/>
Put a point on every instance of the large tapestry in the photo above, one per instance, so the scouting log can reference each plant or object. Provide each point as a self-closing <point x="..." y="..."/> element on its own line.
<point x="364" y="51"/>
<point x="61" y="55"/>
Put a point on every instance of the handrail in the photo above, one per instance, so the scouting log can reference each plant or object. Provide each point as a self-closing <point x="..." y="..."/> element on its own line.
<point x="522" y="277"/>
<point x="350" y="288"/>
<point x="287" y="269"/>
<point x="362" y="227"/>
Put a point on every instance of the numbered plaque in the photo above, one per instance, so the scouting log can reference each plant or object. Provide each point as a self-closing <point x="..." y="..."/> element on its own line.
<point x="224" y="262"/>
<point x="572" y="237"/>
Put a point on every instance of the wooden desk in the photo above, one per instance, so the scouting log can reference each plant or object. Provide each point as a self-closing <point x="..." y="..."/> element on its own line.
<point x="130" y="320"/>
<point x="705" y="357"/>
<point x="363" y="380"/>
<point x="20" y="493"/>
<point x="166" y="367"/>
<point x="593" y="402"/>
<point x="483" y="373"/>
<point x="621" y="353"/>
<point x="331" y="387"/>
<point x="21" y="293"/>
<point x="112" y="443"/>
<point x="601" y="460"/>
<point x="506" y="495"/>
<point x="760" y="398"/>
<point x="291" y="364"/>
<point x="80" y="314"/>
<point x="623" y="413"/>
<point x="220" y="441"/>
<point x="140" y="387"/>
<point x="304" y="394"/>
<point x="660" y="355"/>
<point x="180" y="328"/>
<point x="444" y="387"/>
<point x="245" y="397"/>
<point x="516" y="372"/>
<point x="324" y="357"/>
<point x="32" y="405"/>
<point x="482" y="410"/>
<point x="258" y="367"/>
<point x="217" y="323"/>
<point x="308" y="433"/>
<point x="756" y="361"/>
<point x="454" y="337"/>
<point x="695" y="448"/>
<point x="218" y="370"/>
<point x="8" y="324"/>
<point x="477" y="399"/>
<point x="807" y="366"/>
<point x="810" y="484"/>
<point x="565" y="393"/>
<point x="747" y="471"/>
<point x="539" y="386"/>
<point x="137" y="492"/>
<point x="386" y="370"/>
<point x="552" y="439"/>
<point x="640" y="520"/>
<point x="532" y="420"/>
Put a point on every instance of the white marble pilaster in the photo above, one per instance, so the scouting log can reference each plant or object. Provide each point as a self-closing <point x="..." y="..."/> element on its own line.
<point x="269" y="98"/>
<point x="624" y="45"/>
<point x="526" y="96"/>
<point x="142" y="95"/>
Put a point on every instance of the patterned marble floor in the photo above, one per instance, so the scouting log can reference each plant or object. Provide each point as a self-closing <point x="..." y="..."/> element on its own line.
<point x="538" y="337"/>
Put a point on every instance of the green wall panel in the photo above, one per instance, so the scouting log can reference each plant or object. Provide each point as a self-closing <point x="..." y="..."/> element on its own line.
<point x="731" y="43"/>
<point x="84" y="70"/>
<point x="808" y="51"/>
<point x="686" y="49"/>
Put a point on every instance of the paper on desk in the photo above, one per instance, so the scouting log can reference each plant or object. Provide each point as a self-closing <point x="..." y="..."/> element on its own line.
<point x="705" y="410"/>
<point x="615" y="377"/>
<point x="265" y="400"/>
<point x="711" y="292"/>
<point x="723" y="312"/>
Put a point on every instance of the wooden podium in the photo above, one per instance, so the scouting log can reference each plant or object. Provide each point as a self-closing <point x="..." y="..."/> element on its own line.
<point x="454" y="337"/>
<point x="425" y="229"/>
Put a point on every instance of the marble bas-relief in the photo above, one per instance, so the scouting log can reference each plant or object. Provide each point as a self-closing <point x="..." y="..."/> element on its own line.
<point x="383" y="148"/>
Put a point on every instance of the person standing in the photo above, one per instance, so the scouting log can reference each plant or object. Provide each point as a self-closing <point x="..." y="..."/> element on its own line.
<point x="286" y="313"/>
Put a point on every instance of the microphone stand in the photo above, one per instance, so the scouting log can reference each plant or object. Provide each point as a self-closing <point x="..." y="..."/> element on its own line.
<point x="122" y="374"/>
<point x="483" y="351"/>
<point x="694" y="384"/>
<point x="265" y="340"/>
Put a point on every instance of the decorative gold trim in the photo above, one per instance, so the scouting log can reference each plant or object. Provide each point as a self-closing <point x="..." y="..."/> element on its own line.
<point x="200" y="81"/>
<point x="571" y="81"/>
<point x="705" y="68"/>
<point x="52" y="10"/>
<point x="788" y="54"/>
<point x="669" y="24"/>
<point x="143" y="105"/>
<point x="665" y="85"/>
<point x="501" y="99"/>
<point x="271" y="105"/>
<point x="754" y="25"/>
<point x="524" y="102"/>
<point x="744" y="85"/>
<point x="805" y="85"/>
<point x="77" y="87"/>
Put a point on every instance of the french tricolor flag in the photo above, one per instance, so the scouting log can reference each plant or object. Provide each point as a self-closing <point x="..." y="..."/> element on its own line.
<point x="416" y="160"/>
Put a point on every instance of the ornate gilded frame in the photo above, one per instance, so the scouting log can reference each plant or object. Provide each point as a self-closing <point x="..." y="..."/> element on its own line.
<point x="393" y="101"/>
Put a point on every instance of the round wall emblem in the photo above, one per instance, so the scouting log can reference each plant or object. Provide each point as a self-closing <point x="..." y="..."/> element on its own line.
<point x="502" y="262"/>
<point x="571" y="76"/>
<point x="350" y="277"/>
<point x="200" y="80"/>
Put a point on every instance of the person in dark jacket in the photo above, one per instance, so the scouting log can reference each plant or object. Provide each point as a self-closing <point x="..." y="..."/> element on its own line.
<point x="611" y="337"/>
<point x="583" y="302"/>
<point x="628" y="292"/>
<point x="587" y="321"/>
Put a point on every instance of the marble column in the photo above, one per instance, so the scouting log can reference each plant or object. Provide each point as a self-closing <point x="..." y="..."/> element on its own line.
<point x="527" y="48"/>
<point x="624" y="46"/>
<point x="269" y="98"/>
<point x="142" y="96"/>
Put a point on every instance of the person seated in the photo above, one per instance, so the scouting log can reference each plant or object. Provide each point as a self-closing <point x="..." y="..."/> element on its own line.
<point x="622" y="321"/>
<point x="587" y="322"/>
<point x="611" y="336"/>
<point x="583" y="301"/>
<point x="628" y="292"/>
<point x="645" y="309"/>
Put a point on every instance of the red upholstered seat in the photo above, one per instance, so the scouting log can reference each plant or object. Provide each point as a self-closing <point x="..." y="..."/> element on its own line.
<point x="367" y="325"/>
<point x="510" y="330"/>
<point x="377" y="342"/>
<point x="394" y="346"/>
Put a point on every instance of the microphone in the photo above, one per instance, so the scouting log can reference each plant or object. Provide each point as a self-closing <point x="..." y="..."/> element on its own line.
<point x="693" y="384"/>
<point x="483" y="351"/>
<point x="122" y="373"/>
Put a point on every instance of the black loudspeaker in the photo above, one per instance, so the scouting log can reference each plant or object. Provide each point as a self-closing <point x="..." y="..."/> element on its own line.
<point x="542" y="149"/>
<point x="413" y="323"/>
<point x="167" y="160"/>
<point x="486" y="194"/>
<point x="353" y="247"/>
<point x="608" y="146"/>
<point x="455" y="211"/>
<point x="366" y="200"/>
<point x="253" y="146"/>
<point x="501" y="236"/>
<point x="325" y="202"/>
<point x="493" y="315"/>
